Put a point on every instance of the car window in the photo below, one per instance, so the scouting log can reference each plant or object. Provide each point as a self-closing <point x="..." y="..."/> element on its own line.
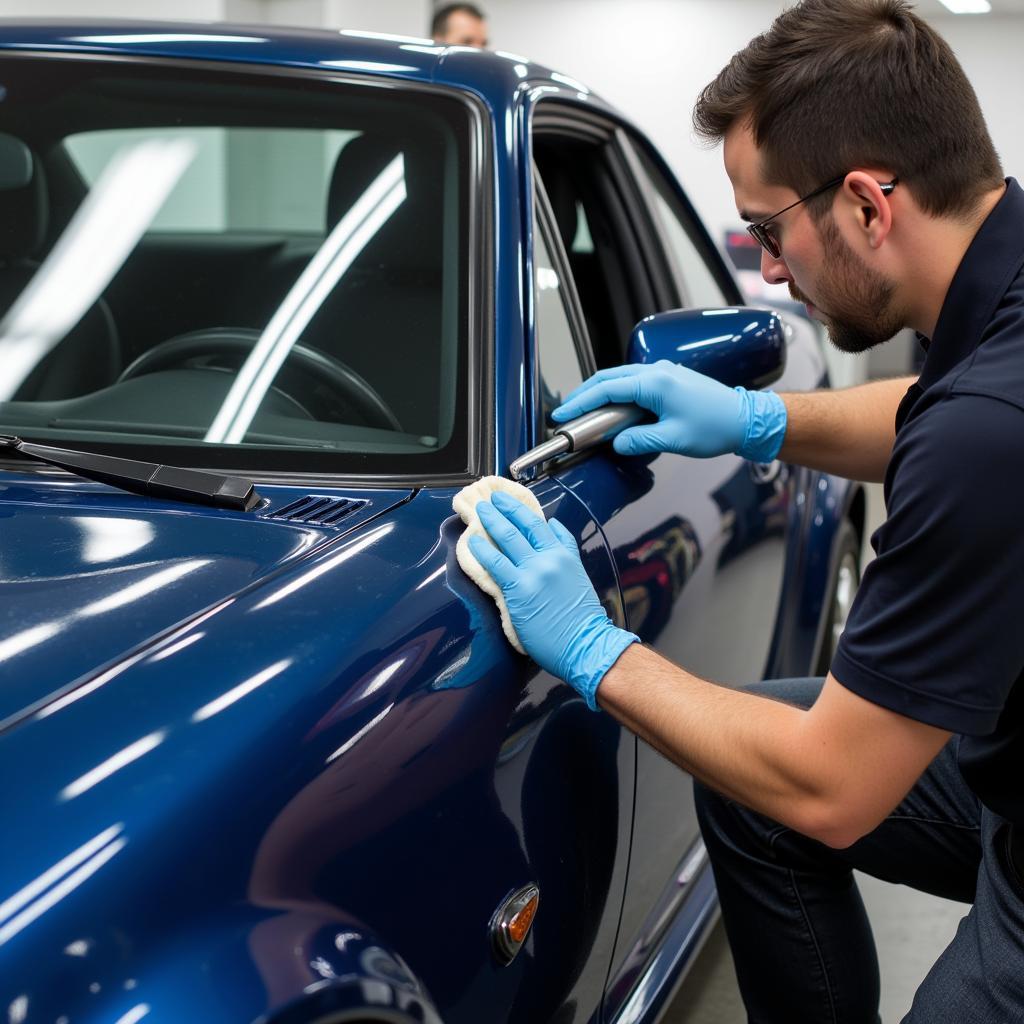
<point x="691" y="266"/>
<point x="559" y="362"/>
<point x="603" y="253"/>
<point x="240" y="179"/>
<point x="299" y="300"/>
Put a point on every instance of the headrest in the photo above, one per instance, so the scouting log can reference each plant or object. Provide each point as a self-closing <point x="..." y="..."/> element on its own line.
<point x="356" y="168"/>
<point x="22" y="200"/>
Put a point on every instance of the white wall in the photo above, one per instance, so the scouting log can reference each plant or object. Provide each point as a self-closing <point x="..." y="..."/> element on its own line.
<point x="650" y="58"/>
<point x="182" y="10"/>
<point x="989" y="49"/>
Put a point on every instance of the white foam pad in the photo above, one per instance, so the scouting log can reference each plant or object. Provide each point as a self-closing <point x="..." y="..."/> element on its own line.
<point x="465" y="503"/>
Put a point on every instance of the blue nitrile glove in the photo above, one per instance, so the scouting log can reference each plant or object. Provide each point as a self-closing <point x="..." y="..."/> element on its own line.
<point x="696" y="414"/>
<point x="550" y="598"/>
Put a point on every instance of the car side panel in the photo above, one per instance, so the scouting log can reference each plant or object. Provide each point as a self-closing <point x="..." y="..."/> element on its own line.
<point x="353" y="741"/>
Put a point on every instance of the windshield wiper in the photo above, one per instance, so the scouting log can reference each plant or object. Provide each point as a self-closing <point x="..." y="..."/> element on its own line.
<point x="148" y="478"/>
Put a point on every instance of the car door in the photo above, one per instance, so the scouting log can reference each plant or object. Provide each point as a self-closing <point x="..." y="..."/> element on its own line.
<point x="698" y="544"/>
<point x="576" y="801"/>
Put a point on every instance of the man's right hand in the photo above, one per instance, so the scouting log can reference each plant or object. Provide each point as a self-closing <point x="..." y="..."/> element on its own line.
<point x="697" y="415"/>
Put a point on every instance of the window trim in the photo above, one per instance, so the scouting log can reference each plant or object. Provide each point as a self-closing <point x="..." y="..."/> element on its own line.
<point x="543" y="224"/>
<point x="478" y="309"/>
<point x="631" y="145"/>
<point x="555" y="116"/>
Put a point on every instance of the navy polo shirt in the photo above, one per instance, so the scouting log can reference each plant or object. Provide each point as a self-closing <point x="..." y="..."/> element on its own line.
<point x="937" y="630"/>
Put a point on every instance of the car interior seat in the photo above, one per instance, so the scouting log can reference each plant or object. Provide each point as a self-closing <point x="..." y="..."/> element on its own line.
<point x="88" y="357"/>
<point x="384" y="317"/>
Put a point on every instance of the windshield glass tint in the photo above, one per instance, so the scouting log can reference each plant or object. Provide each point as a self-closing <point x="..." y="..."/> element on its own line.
<point x="232" y="270"/>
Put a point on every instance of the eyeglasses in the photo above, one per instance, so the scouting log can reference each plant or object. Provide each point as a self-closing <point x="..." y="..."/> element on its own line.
<point x="761" y="232"/>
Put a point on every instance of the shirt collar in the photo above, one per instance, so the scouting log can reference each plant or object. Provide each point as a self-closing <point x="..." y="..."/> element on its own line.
<point x="992" y="261"/>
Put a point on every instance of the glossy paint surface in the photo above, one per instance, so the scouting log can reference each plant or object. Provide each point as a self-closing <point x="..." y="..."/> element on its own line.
<point x="740" y="346"/>
<point x="266" y="770"/>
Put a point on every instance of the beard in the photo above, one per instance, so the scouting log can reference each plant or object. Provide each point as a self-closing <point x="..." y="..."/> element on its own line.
<point x="856" y="301"/>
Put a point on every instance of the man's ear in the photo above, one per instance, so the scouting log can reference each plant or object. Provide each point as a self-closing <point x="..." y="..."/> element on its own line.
<point x="867" y="205"/>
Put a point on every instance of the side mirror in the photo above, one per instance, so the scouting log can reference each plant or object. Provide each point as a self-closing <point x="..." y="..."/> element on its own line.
<point x="737" y="346"/>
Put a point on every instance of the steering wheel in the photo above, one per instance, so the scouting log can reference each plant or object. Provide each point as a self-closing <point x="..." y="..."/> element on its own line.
<point x="228" y="347"/>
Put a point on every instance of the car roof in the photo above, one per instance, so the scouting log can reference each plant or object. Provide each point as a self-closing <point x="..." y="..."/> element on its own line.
<point x="497" y="76"/>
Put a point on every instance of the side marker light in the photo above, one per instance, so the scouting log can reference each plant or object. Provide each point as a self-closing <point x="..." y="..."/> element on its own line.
<point x="511" y="923"/>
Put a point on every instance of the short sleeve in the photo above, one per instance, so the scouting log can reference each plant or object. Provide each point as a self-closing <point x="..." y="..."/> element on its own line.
<point x="937" y="629"/>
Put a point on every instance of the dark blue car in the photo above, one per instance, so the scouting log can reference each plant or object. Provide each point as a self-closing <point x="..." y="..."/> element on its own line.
<point x="265" y="752"/>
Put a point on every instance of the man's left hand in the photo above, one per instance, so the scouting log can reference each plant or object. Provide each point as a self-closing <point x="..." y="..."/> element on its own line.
<point x="551" y="601"/>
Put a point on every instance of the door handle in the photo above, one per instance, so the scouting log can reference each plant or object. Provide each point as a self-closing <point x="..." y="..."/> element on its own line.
<point x="586" y="431"/>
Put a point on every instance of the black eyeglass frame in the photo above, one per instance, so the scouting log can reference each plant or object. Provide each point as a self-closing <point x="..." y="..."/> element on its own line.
<point x="760" y="233"/>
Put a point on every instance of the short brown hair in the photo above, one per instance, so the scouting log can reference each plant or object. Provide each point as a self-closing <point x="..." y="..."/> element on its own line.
<point x="835" y="85"/>
<point x="439" y="23"/>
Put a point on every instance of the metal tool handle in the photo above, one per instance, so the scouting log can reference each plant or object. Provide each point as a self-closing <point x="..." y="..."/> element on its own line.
<point x="586" y="431"/>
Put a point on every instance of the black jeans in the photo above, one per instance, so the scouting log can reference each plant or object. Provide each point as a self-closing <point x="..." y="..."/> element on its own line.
<point x="800" y="938"/>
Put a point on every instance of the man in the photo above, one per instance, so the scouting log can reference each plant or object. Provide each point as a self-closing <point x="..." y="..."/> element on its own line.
<point x="856" y="147"/>
<point x="459" y="25"/>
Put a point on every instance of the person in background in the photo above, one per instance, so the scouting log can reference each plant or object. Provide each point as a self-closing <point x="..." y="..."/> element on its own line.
<point x="459" y="25"/>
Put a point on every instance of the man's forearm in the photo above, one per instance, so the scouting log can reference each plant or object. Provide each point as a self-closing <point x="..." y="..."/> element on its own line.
<point x="751" y="749"/>
<point x="849" y="432"/>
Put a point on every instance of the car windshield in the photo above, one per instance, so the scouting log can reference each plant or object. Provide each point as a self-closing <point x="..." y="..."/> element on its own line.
<point x="233" y="269"/>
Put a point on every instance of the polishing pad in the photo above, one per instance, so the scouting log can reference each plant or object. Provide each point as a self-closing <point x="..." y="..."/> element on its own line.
<point x="465" y="503"/>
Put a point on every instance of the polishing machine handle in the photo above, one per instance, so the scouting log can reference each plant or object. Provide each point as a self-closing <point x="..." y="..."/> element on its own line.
<point x="586" y="431"/>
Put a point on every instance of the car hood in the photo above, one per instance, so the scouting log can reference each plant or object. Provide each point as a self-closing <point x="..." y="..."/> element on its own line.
<point x="89" y="576"/>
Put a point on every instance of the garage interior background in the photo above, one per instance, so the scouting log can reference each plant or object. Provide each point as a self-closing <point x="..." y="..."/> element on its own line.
<point x="650" y="58"/>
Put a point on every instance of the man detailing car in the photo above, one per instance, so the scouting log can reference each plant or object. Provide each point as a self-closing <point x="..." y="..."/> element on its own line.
<point x="853" y="119"/>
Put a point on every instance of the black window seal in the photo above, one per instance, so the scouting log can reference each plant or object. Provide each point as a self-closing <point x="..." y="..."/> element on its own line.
<point x="557" y="116"/>
<point x="632" y="145"/>
<point x="480" y="448"/>
<point x="543" y="223"/>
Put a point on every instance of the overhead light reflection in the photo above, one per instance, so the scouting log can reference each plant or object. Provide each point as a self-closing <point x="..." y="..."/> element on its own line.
<point x="110" y="539"/>
<point x="27" y="638"/>
<point x="358" y="33"/>
<point x="134" y="591"/>
<point x="366" y="65"/>
<point x="178" y="645"/>
<point x="353" y="740"/>
<point x="380" y="679"/>
<point x="101" y="234"/>
<point x="168" y="37"/>
<point x="66" y="875"/>
<point x="345" y="242"/>
<point x="112" y="764"/>
<point x="135" y="1014"/>
<point x="573" y="83"/>
<point x="433" y="576"/>
<point x="342" y="556"/>
<point x="690" y="346"/>
<point x="241" y="690"/>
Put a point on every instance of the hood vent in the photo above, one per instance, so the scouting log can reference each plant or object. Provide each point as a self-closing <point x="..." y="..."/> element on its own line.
<point x="317" y="509"/>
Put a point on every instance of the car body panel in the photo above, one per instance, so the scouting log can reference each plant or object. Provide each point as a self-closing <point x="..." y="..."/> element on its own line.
<point x="266" y="823"/>
<point x="111" y="573"/>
